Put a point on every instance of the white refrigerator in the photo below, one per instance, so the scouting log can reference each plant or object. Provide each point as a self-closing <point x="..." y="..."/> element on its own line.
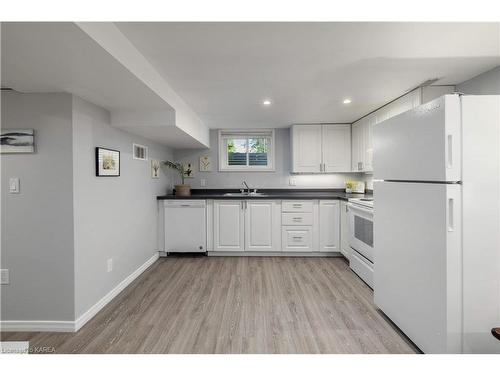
<point x="436" y="223"/>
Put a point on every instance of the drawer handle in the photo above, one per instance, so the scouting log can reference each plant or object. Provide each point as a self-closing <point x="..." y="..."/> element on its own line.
<point x="297" y="238"/>
<point x="297" y="205"/>
<point x="297" y="219"/>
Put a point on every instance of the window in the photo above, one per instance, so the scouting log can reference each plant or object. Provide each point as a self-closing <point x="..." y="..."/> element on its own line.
<point x="249" y="150"/>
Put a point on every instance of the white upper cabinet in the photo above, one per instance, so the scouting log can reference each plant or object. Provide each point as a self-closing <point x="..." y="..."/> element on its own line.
<point x="336" y="147"/>
<point x="321" y="148"/>
<point x="358" y="145"/>
<point x="306" y="148"/>
<point x="229" y="227"/>
<point x="262" y="226"/>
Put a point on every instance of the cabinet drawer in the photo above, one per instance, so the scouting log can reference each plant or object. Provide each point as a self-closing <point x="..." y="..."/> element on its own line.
<point x="297" y="206"/>
<point x="297" y="218"/>
<point x="297" y="238"/>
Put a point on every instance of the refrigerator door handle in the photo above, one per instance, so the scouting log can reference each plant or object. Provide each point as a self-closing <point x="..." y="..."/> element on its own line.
<point x="451" y="226"/>
<point x="450" y="151"/>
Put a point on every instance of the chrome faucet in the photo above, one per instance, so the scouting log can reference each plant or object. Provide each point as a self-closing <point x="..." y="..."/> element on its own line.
<point x="246" y="185"/>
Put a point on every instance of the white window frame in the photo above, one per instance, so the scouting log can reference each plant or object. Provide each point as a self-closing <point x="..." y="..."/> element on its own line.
<point x="245" y="133"/>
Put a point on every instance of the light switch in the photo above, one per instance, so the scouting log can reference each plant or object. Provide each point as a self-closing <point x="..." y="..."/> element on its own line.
<point x="292" y="181"/>
<point x="14" y="185"/>
<point x="203" y="182"/>
<point x="4" y="277"/>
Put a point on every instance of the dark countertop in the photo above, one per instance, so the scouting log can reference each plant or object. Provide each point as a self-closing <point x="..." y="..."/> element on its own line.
<point x="270" y="194"/>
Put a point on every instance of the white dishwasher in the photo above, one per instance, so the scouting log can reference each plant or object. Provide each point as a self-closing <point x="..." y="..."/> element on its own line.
<point x="185" y="226"/>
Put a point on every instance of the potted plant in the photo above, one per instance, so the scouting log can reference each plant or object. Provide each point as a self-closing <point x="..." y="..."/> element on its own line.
<point x="349" y="185"/>
<point x="183" y="189"/>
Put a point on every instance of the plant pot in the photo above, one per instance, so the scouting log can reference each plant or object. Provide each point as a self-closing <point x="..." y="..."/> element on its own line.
<point x="182" y="190"/>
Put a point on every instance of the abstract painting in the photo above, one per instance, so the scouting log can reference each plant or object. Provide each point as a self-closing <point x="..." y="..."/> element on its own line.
<point x="13" y="141"/>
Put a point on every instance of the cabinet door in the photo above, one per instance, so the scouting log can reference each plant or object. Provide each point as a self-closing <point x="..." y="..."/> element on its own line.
<point x="262" y="226"/>
<point x="229" y="225"/>
<point x="358" y="146"/>
<point x="306" y="148"/>
<point x="344" y="231"/>
<point x="336" y="146"/>
<point x="329" y="225"/>
<point x="368" y="147"/>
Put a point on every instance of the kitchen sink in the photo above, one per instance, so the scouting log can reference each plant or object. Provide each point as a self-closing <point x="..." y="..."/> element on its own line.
<point x="244" y="194"/>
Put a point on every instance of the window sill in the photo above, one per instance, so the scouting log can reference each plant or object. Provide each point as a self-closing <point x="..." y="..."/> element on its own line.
<point x="247" y="169"/>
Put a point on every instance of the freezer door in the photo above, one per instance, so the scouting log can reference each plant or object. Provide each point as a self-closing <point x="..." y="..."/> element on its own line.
<point x="423" y="144"/>
<point x="417" y="268"/>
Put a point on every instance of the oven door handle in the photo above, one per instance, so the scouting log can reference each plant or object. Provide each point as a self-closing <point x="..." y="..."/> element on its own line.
<point x="357" y="208"/>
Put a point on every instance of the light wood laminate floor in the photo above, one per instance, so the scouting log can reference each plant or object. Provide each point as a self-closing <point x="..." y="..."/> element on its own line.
<point x="236" y="305"/>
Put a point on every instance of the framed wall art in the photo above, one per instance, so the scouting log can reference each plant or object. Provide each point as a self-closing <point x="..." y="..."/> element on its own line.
<point x="107" y="162"/>
<point x="17" y="141"/>
<point x="155" y="168"/>
<point x="205" y="164"/>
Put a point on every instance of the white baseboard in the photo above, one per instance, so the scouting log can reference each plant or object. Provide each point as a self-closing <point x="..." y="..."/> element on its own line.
<point x="37" y="326"/>
<point x="73" y="326"/>
<point x="273" y="254"/>
<point x="90" y="313"/>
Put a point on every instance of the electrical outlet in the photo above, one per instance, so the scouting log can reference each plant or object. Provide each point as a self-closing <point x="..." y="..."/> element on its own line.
<point x="292" y="181"/>
<point x="4" y="277"/>
<point x="203" y="182"/>
<point x="110" y="265"/>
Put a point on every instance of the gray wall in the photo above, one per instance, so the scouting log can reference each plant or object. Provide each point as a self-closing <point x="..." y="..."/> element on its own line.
<point x="59" y="232"/>
<point x="37" y="224"/>
<point x="487" y="83"/>
<point x="277" y="179"/>
<point x="115" y="217"/>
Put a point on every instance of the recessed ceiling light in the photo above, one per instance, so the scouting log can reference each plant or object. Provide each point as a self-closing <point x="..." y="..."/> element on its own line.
<point x="266" y="102"/>
<point x="347" y="101"/>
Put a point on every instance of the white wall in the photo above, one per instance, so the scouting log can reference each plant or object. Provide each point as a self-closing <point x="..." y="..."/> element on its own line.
<point x="37" y="224"/>
<point x="277" y="179"/>
<point x="487" y="83"/>
<point x="115" y="217"/>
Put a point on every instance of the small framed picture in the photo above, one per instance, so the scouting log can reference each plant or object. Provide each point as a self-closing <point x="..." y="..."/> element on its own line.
<point x="205" y="164"/>
<point x="107" y="162"/>
<point x="155" y="168"/>
<point x="17" y="141"/>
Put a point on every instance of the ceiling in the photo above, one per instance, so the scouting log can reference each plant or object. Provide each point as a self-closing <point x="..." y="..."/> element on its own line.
<point x="57" y="56"/>
<point x="225" y="70"/>
<point x="62" y="57"/>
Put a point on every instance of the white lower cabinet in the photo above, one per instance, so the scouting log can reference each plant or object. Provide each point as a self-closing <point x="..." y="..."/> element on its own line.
<point x="344" y="231"/>
<point x="271" y="226"/>
<point x="246" y="225"/>
<point x="329" y="226"/>
<point x="229" y="225"/>
<point x="262" y="226"/>
<point x="299" y="232"/>
<point x="297" y="238"/>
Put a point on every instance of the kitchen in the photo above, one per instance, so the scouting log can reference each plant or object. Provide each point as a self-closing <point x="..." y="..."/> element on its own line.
<point x="279" y="204"/>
